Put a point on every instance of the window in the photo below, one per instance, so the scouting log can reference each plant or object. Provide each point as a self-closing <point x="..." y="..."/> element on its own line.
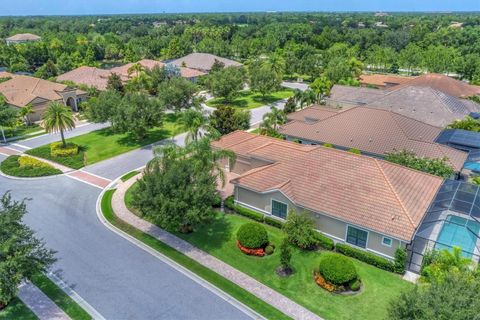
<point x="357" y="237"/>
<point x="387" y="241"/>
<point x="279" y="209"/>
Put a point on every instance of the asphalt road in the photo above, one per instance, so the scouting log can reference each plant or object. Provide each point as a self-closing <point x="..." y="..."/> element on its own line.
<point x="120" y="280"/>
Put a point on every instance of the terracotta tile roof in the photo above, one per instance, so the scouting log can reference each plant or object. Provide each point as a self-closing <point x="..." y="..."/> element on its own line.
<point x="98" y="78"/>
<point x="443" y="83"/>
<point x="383" y="80"/>
<point x="203" y="61"/>
<point x="23" y="37"/>
<point x="361" y="190"/>
<point x="422" y="103"/>
<point x="90" y="76"/>
<point x="4" y="74"/>
<point x="371" y="130"/>
<point x="21" y="90"/>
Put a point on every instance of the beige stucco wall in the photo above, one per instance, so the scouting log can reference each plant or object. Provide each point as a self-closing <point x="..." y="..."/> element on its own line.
<point x="330" y="226"/>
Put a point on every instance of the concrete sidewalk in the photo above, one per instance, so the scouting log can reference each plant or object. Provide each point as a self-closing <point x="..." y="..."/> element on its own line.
<point x="270" y="296"/>
<point x="39" y="303"/>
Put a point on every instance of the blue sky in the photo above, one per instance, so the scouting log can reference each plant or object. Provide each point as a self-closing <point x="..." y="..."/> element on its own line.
<point x="55" y="7"/>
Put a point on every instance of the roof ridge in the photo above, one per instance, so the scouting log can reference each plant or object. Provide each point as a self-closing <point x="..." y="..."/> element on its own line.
<point x="255" y="170"/>
<point x="394" y="193"/>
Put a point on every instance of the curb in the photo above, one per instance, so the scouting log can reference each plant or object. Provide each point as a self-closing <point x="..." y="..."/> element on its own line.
<point x="207" y="285"/>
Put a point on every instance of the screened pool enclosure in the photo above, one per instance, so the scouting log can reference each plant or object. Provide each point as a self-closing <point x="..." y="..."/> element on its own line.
<point x="453" y="219"/>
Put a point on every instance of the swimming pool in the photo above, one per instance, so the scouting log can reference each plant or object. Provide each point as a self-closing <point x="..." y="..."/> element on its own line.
<point x="455" y="233"/>
<point x="474" y="166"/>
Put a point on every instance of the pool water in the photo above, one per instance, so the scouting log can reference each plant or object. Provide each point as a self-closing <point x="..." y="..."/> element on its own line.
<point x="455" y="233"/>
<point x="474" y="166"/>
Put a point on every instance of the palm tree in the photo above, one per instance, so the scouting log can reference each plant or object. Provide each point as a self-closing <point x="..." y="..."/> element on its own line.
<point x="273" y="119"/>
<point x="276" y="63"/>
<point x="308" y="97"/>
<point x="192" y="121"/>
<point x="58" y="118"/>
<point x="297" y="96"/>
<point x="135" y="68"/>
<point x="24" y="113"/>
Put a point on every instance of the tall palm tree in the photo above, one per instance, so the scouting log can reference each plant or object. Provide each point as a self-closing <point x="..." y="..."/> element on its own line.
<point x="273" y="119"/>
<point x="24" y="113"/>
<point x="192" y="121"/>
<point x="276" y="63"/>
<point x="58" y="118"/>
<point x="297" y="96"/>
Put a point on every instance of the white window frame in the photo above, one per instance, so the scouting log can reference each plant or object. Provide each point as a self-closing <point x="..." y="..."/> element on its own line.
<point x="387" y="245"/>
<point x="346" y="236"/>
<point x="271" y="208"/>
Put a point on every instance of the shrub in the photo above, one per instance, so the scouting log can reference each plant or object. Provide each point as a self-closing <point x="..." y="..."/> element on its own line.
<point x="285" y="254"/>
<point x="299" y="230"/>
<point x="217" y="202"/>
<point x="365" y="256"/>
<point x="259" y="252"/>
<point x="324" y="241"/>
<point x="274" y="222"/>
<point x="400" y="260"/>
<point x="229" y="203"/>
<point x="248" y="213"/>
<point x="30" y="162"/>
<point x="11" y="166"/>
<point x="320" y="280"/>
<point x="252" y="236"/>
<point x="354" y="285"/>
<point x="336" y="268"/>
<point x="269" y="249"/>
<point x="57" y="149"/>
<point x="356" y="151"/>
<point x="328" y="145"/>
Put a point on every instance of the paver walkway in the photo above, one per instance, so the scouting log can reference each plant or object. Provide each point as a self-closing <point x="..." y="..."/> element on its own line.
<point x="39" y="303"/>
<point x="263" y="292"/>
<point x="8" y="151"/>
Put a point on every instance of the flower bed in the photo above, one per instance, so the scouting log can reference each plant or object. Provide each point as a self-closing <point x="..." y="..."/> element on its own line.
<point x="260" y="252"/>
<point x="25" y="166"/>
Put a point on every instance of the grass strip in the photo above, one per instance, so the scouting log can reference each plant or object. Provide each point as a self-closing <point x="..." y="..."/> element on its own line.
<point x="129" y="175"/>
<point x="16" y="309"/>
<point x="212" y="277"/>
<point x="61" y="299"/>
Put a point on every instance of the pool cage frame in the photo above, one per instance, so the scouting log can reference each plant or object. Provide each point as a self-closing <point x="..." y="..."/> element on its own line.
<point x="454" y="198"/>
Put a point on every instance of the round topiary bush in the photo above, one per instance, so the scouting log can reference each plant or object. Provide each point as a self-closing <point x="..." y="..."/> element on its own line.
<point x="336" y="268"/>
<point x="252" y="236"/>
<point x="269" y="249"/>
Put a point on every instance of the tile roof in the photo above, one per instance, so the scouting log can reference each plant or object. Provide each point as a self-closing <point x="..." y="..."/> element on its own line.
<point x="443" y="83"/>
<point x="98" y="78"/>
<point x="203" y="61"/>
<point x="90" y="76"/>
<point x="422" y="103"/>
<point x="368" y="192"/>
<point x="21" y="90"/>
<point x="371" y="130"/>
<point x="23" y="37"/>
<point x="383" y="80"/>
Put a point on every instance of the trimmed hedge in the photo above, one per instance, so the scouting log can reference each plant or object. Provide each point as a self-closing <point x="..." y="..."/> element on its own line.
<point x="248" y="213"/>
<point x="252" y="236"/>
<point x="29" y="162"/>
<point x="366" y="257"/>
<point x="230" y="203"/>
<point x="274" y="222"/>
<point x="75" y="162"/>
<point x="11" y="166"/>
<point x="57" y="149"/>
<point x="337" y="269"/>
<point x="324" y="241"/>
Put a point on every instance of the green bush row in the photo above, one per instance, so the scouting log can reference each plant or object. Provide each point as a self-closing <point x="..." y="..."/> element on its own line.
<point x="324" y="241"/>
<point x="274" y="222"/>
<point x="366" y="257"/>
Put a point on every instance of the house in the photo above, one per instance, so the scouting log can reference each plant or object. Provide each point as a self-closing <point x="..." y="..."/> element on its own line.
<point x="203" y="61"/>
<point x="98" y="78"/>
<point x="382" y="81"/>
<point x="366" y="202"/>
<point x="374" y="132"/>
<point x="22" y="38"/>
<point x="23" y="90"/>
<point x="425" y="103"/>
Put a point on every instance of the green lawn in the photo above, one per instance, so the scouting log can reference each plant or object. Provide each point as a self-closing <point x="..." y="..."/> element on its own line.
<point x="61" y="299"/>
<point x="212" y="277"/>
<point x="129" y="175"/>
<point x="251" y="100"/>
<point x="103" y="144"/>
<point x="22" y="130"/>
<point x="11" y="167"/>
<point x="17" y="310"/>
<point x="380" y="287"/>
<point x="218" y="239"/>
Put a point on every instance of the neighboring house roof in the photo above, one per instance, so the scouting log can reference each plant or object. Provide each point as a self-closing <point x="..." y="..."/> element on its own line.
<point x="422" y="103"/>
<point x="4" y="74"/>
<point x="203" y="61"/>
<point x="383" y="80"/>
<point x="23" y="37"/>
<point x="21" y="90"/>
<point x="370" y="130"/>
<point x="90" y="76"/>
<point x="98" y="78"/>
<point x="443" y="83"/>
<point x="365" y="191"/>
